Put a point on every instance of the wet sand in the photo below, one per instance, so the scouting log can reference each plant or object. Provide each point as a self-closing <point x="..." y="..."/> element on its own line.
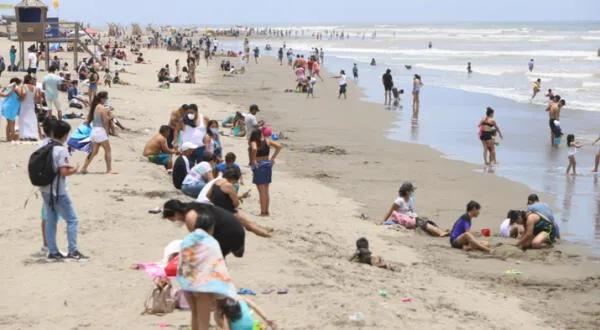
<point x="316" y="202"/>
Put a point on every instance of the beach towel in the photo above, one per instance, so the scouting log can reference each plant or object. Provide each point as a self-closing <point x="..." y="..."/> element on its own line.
<point x="80" y="139"/>
<point x="202" y="267"/>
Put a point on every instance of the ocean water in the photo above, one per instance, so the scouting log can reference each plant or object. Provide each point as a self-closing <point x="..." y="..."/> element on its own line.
<point x="453" y="102"/>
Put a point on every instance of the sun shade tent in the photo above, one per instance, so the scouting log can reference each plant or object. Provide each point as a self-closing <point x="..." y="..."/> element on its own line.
<point x="31" y="20"/>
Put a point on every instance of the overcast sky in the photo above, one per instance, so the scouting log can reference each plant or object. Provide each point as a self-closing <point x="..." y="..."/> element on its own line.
<point x="200" y="12"/>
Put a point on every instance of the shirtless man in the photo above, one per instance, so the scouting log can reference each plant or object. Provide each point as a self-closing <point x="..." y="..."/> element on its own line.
<point x="157" y="150"/>
<point x="176" y="125"/>
<point x="554" y="111"/>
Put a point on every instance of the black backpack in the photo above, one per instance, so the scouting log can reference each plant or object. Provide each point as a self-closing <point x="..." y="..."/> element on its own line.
<point x="41" y="165"/>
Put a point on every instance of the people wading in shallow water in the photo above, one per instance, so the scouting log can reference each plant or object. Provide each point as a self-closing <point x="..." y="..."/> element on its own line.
<point x="417" y="84"/>
<point x="487" y="130"/>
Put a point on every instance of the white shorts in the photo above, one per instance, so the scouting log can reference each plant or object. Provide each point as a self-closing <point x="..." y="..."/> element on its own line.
<point x="53" y="104"/>
<point x="98" y="135"/>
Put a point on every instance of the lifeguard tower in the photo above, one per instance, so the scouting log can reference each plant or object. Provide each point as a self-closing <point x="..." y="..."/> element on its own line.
<point x="32" y="22"/>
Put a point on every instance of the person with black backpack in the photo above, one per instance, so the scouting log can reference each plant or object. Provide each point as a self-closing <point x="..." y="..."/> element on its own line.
<point x="48" y="168"/>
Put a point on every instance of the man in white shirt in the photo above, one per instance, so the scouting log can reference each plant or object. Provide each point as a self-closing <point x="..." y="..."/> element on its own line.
<point x="32" y="67"/>
<point x="250" y="120"/>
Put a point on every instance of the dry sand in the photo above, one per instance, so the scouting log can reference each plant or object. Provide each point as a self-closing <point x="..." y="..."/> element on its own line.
<point x="316" y="202"/>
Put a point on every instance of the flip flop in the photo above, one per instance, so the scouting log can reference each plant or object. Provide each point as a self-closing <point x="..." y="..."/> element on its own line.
<point x="268" y="291"/>
<point x="282" y="291"/>
<point x="243" y="291"/>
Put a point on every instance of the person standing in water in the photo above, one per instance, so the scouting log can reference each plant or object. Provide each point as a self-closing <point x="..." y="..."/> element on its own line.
<point x="469" y="71"/>
<point x="537" y="86"/>
<point x="388" y="83"/>
<point x="530" y="65"/>
<point x="417" y="84"/>
<point x="573" y="146"/>
<point x="487" y="129"/>
<point x="430" y="45"/>
<point x="355" y="72"/>
<point x="597" y="160"/>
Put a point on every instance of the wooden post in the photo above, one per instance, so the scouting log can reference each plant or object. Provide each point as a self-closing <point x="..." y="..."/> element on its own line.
<point x="21" y="64"/>
<point x="47" y="54"/>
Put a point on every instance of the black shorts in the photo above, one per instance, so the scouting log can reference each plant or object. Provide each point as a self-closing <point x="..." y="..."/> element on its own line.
<point x="343" y="88"/>
<point x="486" y="136"/>
<point x="32" y="70"/>
<point x="551" y="123"/>
<point x="454" y="244"/>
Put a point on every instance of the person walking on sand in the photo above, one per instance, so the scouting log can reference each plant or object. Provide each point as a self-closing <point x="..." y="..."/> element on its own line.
<point x="261" y="163"/>
<point x="99" y="119"/>
<point x="388" y="84"/>
<point x="573" y="146"/>
<point x="487" y="130"/>
<point x="417" y="84"/>
<point x="56" y="198"/>
<point x="343" y="84"/>
<point x="93" y="84"/>
<point x="317" y="70"/>
<point x="461" y="236"/>
<point x="537" y="87"/>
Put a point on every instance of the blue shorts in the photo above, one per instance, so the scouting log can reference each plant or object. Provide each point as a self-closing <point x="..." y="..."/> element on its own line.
<point x="93" y="87"/>
<point x="262" y="173"/>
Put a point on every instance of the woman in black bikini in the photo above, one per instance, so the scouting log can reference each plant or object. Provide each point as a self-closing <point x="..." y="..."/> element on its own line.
<point x="487" y="130"/>
<point x="262" y="166"/>
<point x="223" y="194"/>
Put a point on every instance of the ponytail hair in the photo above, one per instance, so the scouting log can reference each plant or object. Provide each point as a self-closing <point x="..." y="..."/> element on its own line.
<point x="174" y="206"/>
<point x="95" y="102"/>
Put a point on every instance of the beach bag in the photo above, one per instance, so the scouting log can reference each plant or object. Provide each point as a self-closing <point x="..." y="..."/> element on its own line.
<point x="41" y="165"/>
<point x="160" y="301"/>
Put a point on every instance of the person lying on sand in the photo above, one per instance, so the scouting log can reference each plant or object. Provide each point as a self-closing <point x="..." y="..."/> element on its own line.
<point x="157" y="150"/>
<point x="461" y="236"/>
<point x="511" y="227"/>
<point x="403" y="213"/>
<point x="364" y="256"/>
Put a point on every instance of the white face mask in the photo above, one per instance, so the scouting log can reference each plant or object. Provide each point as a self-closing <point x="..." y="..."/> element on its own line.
<point x="191" y="116"/>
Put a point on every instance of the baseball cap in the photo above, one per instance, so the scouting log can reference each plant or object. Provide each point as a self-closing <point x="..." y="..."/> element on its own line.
<point x="407" y="186"/>
<point x="188" y="145"/>
<point x="254" y="107"/>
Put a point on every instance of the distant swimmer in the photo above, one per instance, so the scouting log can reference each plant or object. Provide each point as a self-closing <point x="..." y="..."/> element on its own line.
<point x="537" y="86"/>
<point x="430" y="45"/>
<point x="550" y="94"/>
<point x="355" y="72"/>
<point x="373" y="61"/>
<point x="408" y="67"/>
<point x="530" y="65"/>
<point x="469" y="71"/>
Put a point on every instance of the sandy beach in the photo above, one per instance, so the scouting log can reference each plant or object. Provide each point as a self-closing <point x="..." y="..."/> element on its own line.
<point x="336" y="165"/>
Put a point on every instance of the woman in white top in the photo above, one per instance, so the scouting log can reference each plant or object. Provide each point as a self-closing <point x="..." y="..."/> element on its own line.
<point x="28" y="124"/>
<point x="199" y="175"/>
<point x="402" y="212"/>
<point x="343" y="83"/>
<point x="99" y="119"/>
<point x="194" y="130"/>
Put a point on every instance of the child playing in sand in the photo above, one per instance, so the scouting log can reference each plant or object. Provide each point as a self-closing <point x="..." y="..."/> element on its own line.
<point x="234" y="314"/>
<point x="511" y="227"/>
<point x="573" y="146"/>
<point x="363" y="255"/>
<point x="229" y="163"/>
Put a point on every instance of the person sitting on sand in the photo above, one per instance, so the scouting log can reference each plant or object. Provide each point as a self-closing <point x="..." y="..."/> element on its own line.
<point x="223" y="193"/>
<point x="228" y="121"/>
<point x="228" y="231"/>
<point x="402" y="212"/>
<point x="364" y="256"/>
<point x="229" y="163"/>
<point x="199" y="175"/>
<point x="232" y="314"/>
<point x="183" y="164"/>
<point x="461" y="236"/>
<point x="140" y="59"/>
<point x="540" y="229"/>
<point x="157" y="150"/>
<point x="74" y="97"/>
<point x="118" y="81"/>
<point x="511" y="227"/>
